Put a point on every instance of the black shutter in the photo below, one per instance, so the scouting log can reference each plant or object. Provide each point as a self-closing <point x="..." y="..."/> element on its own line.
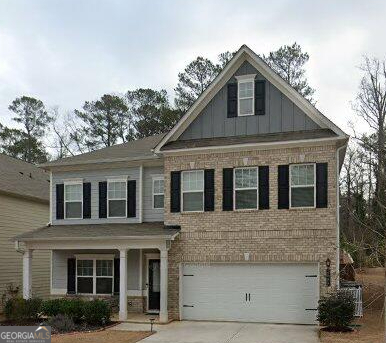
<point x="283" y="186"/>
<point x="232" y="100"/>
<point x="263" y="187"/>
<point x="131" y="198"/>
<point x="227" y="189"/>
<point x="260" y="97"/>
<point x="321" y="185"/>
<point x="71" y="272"/>
<point x="87" y="200"/>
<point x="175" y="186"/>
<point x="209" y="190"/>
<point x="60" y="201"/>
<point x="103" y="199"/>
<point x="116" y="275"/>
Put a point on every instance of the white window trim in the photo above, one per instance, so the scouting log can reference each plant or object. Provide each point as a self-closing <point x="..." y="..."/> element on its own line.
<point x="112" y="180"/>
<point x="72" y="182"/>
<point x="94" y="258"/>
<point x="182" y="191"/>
<point x="304" y="186"/>
<point x="157" y="178"/>
<point x="245" y="189"/>
<point x="245" y="79"/>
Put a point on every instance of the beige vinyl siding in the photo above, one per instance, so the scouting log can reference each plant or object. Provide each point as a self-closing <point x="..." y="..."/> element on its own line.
<point x="18" y="215"/>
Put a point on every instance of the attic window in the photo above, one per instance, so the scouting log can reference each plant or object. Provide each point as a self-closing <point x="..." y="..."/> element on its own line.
<point x="246" y="95"/>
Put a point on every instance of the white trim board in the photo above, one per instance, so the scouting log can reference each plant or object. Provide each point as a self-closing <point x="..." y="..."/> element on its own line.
<point x="246" y="54"/>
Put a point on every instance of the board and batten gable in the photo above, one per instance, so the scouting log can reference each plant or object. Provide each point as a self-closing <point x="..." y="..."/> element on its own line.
<point x="96" y="176"/>
<point x="281" y="114"/>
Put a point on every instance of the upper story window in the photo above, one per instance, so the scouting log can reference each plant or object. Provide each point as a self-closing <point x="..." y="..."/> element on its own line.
<point x="192" y="190"/>
<point x="302" y="185"/>
<point x="73" y="200"/>
<point x="246" y="95"/>
<point x="245" y="188"/>
<point x="158" y="192"/>
<point x="116" y="198"/>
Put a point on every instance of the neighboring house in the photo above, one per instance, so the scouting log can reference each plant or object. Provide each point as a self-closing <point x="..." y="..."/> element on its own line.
<point x="232" y="215"/>
<point x="24" y="204"/>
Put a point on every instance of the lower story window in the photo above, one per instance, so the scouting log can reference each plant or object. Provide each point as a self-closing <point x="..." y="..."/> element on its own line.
<point x="94" y="276"/>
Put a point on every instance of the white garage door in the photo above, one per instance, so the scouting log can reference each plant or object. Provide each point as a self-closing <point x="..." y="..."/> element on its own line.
<point x="275" y="293"/>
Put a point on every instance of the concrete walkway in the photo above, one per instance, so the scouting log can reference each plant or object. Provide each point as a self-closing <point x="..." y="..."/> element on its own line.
<point x="221" y="332"/>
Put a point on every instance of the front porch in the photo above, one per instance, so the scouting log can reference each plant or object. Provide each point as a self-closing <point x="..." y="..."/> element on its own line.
<point x="132" y="268"/>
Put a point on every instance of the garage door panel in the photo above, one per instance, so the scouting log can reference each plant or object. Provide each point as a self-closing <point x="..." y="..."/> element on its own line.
<point x="278" y="293"/>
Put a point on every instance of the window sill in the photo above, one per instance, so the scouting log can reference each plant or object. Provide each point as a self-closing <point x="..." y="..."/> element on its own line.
<point x="303" y="208"/>
<point x="192" y="212"/>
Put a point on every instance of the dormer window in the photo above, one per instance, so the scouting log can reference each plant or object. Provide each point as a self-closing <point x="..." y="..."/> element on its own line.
<point x="246" y="95"/>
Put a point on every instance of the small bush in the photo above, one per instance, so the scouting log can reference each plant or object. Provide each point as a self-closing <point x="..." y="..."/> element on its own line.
<point x="61" y="323"/>
<point x="73" y="308"/>
<point x="97" y="312"/>
<point x="20" y="310"/>
<point x="51" y="307"/>
<point x="336" y="311"/>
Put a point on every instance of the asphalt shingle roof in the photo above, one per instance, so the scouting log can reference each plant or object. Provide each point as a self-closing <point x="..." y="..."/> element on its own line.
<point x="96" y="231"/>
<point x="23" y="179"/>
<point x="134" y="150"/>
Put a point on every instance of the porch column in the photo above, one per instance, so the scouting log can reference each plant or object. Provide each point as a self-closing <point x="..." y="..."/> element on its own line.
<point x="123" y="284"/>
<point x="163" y="313"/>
<point x="27" y="274"/>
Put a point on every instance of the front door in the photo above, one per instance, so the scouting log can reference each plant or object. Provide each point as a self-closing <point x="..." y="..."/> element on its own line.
<point x="154" y="285"/>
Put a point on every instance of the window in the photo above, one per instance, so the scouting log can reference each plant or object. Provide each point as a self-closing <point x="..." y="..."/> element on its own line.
<point x="302" y="190"/>
<point x="246" y="188"/>
<point x="73" y="200"/>
<point x="193" y="190"/>
<point x="104" y="276"/>
<point x="116" y="199"/>
<point x="246" y="90"/>
<point x="85" y="272"/>
<point x="94" y="276"/>
<point x="158" y="192"/>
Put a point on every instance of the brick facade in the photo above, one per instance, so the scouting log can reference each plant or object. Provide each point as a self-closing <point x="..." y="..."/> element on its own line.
<point x="294" y="235"/>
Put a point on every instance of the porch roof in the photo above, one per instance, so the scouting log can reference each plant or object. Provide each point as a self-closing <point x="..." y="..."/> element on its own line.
<point x="100" y="231"/>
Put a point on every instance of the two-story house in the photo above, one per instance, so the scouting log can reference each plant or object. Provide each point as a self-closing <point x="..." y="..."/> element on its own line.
<point x="232" y="215"/>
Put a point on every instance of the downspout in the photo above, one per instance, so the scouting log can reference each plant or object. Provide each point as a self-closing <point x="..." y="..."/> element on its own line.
<point x="50" y="197"/>
<point x="140" y="191"/>
<point x="17" y="248"/>
<point x="338" y="214"/>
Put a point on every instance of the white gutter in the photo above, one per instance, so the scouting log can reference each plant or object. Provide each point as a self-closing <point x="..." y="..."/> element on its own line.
<point x="260" y="145"/>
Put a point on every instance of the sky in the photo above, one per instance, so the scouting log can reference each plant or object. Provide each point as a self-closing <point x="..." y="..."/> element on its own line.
<point x="66" y="52"/>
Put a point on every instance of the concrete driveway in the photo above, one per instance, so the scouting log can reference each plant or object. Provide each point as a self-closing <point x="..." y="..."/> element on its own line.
<point x="221" y="332"/>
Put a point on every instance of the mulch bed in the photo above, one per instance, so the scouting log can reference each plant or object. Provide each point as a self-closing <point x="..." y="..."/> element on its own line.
<point x="79" y="328"/>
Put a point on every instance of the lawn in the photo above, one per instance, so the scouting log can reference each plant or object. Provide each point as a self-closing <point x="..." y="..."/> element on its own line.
<point x="371" y="329"/>
<point x="105" y="336"/>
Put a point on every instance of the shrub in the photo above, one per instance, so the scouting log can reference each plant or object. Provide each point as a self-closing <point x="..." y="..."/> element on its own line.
<point x="51" y="307"/>
<point x="337" y="310"/>
<point x="19" y="309"/>
<point x="97" y="312"/>
<point x="61" y="323"/>
<point x="73" y="308"/>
